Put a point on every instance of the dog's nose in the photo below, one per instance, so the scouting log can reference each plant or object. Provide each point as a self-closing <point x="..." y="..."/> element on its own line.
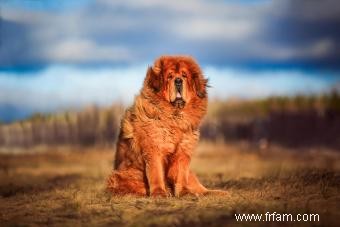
<point x="178" y="81"/>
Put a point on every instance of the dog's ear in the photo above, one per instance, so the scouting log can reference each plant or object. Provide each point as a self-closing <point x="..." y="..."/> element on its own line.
<point x="154" y="77"/>
<point x="199" y="82"/>
<point x="200" y="85"/>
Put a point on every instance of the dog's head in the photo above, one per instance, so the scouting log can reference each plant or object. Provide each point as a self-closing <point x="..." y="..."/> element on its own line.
<point x="178" y="79"/>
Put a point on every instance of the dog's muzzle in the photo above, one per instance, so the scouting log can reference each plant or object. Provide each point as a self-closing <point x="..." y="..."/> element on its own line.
<point x="178" y="102"/>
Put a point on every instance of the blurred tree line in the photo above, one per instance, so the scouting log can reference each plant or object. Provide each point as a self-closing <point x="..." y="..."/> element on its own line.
<point x="300" y="120"/>
<point x="89" y="127"/>
<point x="291" y="121"/>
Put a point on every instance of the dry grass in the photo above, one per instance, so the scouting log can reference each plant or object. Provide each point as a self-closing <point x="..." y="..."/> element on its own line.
<point x="65" y="187"/>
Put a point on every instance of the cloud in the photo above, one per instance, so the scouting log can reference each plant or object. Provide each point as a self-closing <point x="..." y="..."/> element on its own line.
<point x="216" y="32"/>
<point x="316" y="50"/>
<point x="86" y="51"/>
<point x="60" y="87"/>
<point x="238" y="83"/>
<point x="198" y="29"/>
<point x="64" y="87"/>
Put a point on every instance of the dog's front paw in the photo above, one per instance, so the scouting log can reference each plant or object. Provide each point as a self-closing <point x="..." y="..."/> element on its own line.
<point x="159" y="192"/>
<point x="180" y="191"/>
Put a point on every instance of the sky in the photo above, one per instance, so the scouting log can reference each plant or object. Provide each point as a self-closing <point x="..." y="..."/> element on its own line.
<point x="68" y="54"/>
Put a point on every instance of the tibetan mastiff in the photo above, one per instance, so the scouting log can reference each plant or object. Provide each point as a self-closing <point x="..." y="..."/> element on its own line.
<point x="160" y="130"/>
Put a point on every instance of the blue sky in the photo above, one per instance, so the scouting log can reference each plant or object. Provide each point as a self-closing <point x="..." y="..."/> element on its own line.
<point x="58" y="55"/>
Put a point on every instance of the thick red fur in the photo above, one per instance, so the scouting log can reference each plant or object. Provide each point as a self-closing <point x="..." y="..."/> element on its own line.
<point x="157" y="137"/>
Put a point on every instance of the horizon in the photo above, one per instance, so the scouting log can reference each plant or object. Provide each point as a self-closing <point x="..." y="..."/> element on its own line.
<point x="104" y="87"/>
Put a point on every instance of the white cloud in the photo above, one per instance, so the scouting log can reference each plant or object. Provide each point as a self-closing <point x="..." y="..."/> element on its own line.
<point x="193" y="20"/>
<point x="215" y="29"/>
<point x="68" y="87"/>
<point x="133" y="31"/>
<point x="187" y="6"/>
<point x="82" y="50"/>
<point x="64" y="87"/>
<point x="231" y="82"/>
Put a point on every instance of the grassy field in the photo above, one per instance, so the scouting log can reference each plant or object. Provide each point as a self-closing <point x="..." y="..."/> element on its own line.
<point x="65" y="186"/>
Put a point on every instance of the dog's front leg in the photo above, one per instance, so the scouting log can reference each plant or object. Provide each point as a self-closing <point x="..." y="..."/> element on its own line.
<point x="155" y="175"/>
<point x="178" y="172"/>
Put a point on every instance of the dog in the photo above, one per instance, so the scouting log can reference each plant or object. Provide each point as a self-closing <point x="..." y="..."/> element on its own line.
<point x="159" y="132"/>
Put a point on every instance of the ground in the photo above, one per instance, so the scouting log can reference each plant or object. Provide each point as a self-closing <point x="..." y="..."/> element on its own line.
<point x="65" y="186"/>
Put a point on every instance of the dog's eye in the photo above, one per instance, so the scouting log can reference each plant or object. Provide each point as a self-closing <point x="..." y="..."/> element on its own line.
<point x="184" y="74"/>
<point x="170" y="76"/>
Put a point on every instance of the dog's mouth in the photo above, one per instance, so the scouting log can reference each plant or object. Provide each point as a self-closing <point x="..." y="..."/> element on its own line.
<point x="179" y="101"/>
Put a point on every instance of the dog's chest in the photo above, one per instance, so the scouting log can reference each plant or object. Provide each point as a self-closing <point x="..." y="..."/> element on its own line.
<point x="171" y="136"/>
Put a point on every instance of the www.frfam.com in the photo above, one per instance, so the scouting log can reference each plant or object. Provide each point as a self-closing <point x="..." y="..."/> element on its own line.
<point x="277" y="217"/>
